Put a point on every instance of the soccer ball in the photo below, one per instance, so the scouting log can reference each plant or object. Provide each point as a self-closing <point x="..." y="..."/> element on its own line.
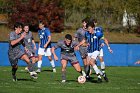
<point x="81" y="79"/>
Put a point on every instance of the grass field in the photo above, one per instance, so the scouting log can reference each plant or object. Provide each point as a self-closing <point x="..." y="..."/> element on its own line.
<point x="121" y="80"/>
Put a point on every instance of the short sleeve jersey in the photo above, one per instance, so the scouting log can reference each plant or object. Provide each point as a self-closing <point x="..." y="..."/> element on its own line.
<point x="14" y="36"/>
<point x="66" y="50"/>
<point x="43" y="36"/>
<point x="80" y="34"/>
<point x="28" y="40"/>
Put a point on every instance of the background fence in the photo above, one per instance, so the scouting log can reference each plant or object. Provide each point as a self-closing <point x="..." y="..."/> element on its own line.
<point x="123" y="55"/>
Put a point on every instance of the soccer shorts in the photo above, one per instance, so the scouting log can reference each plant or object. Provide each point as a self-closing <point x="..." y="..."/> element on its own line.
<point x="93" y="55"/>
<point x="45" y="52"/>
<point x="101" y="54"/>
<point x="83" y="51"/>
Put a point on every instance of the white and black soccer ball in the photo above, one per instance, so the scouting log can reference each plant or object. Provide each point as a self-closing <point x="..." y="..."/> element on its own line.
<point x="81" y="79"/>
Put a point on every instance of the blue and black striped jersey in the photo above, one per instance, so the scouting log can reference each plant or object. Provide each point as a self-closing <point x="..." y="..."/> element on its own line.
<point x="43" y="35"/>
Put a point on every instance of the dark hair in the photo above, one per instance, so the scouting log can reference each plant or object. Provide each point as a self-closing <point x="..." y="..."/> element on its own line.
<point x="27" y="24"/>
<point x="68" y="36"/>
<point x="18" y="24"/>
<point x="90" y="24"/>
<point x="85" y="20"/>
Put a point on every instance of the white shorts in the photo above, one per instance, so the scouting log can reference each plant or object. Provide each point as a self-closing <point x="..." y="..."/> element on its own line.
<point x="101" y="54"/>
<point x="93" y="55"/>
<point x="45" y="52"/>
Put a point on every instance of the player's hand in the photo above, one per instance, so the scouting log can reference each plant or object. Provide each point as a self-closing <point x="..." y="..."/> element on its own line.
<point x="45" y="45"/>
<point x="56" y="58"/>
<point x="76" y="48"/>
<point x="23" y="35"/>
<point x="110" y="50"/>
<point x="102" y="44"/>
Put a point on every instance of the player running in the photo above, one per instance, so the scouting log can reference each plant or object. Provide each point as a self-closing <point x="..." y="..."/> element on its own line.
<point x="15" y="52"/>
<point x="30" y="46"/>
<point x="67" y="54"/>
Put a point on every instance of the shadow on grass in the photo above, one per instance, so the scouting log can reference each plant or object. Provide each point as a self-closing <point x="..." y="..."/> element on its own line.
<point x="23" y="79"/>
<point x="47" y="70"/>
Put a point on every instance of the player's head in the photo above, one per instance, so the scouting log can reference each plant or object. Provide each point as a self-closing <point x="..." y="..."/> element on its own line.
<point x="41" y="24"/>
<point x="26" y="28"/>
<point x="84" y="22"/>
<point x="18" y="27"/>
<point x="93" y="20"/>
<point x="90" y="27"/>
<point x="68" y="39"/>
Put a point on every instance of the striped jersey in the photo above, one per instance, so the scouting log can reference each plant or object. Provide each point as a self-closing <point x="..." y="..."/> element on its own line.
<point x="93" y="41"/>
<point x="43" y="36"/>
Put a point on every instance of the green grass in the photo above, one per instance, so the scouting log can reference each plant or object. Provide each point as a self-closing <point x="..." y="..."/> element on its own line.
<point x="121" y="80"/>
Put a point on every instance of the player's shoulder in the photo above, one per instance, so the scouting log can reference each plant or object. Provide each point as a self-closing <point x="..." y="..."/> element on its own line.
<point x="12" y="33"/>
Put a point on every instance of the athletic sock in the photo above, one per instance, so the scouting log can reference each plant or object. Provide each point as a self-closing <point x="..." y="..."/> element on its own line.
<point x="52" y="63"/>
<point x="63" y="75"/>
<point x="39" y="64"/>
<point x="97" y="71"/>
<point x="14" y="71"/>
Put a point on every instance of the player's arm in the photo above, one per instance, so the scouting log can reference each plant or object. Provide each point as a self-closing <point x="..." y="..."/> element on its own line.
<point x="13" y="42"/>
<point x="33" y="41"/>
<point x="107" y="43"/>
<point x="53" y="50"/>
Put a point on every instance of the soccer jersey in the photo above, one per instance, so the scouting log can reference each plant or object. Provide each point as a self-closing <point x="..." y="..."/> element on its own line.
<point x="66" y="50"/>
<point x="43" y="35"/>
<point x="94" y="42"/>
<point x="28" y="40"/>
<point x="28" y="43"/>
<point x="80" y="34"/>
<point x="14" y="51"/>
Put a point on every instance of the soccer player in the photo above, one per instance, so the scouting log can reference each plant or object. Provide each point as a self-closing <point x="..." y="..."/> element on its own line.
<point x="80" y="35"/>
<point x="30" y="46"/>
<point x="94" y="44"/>
<point x="44" y="46"/>
<point x="67" y="54"/>
<point x="15" y="52"/>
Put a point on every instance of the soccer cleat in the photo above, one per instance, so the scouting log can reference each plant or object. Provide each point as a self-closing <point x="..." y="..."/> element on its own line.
<point x="33" y="76"/>
<point x="14" y="78"/>
<point x="54" y="70"/>
<point x="63" y="81"/>
<point x="26" y="68"/>
<point x="88" y="78"/>
<point x="34" y="73"/>
<point x="105" y="78"/>
<point x="99" y="80"/>
<point x="38" y="70"/>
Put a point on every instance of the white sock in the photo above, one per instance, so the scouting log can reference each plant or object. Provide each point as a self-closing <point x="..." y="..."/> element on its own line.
<point x="39" y="64"/>
<point x="97" y="71"/>
<point x="102" y="65"/>
<point x="52" y="63"/>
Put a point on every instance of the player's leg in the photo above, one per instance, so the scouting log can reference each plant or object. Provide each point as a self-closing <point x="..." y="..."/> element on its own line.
<point x="64" y="64"/>
<point x="14" y="69"/>
<point x="76" y="65"/>
<point x="39" y="63"/>
<point x="102" y="72"/>
<point x="48" y="53"/>
<point x="31" y="66"/>
<point x="92" y="61"/>
<point x="102" y="61"/>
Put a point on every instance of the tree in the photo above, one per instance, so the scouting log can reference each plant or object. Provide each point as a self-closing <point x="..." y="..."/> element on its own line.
<point x="33" y="11"/>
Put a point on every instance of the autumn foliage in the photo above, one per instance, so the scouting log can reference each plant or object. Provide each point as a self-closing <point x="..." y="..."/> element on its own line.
<point x="33" y="11"/>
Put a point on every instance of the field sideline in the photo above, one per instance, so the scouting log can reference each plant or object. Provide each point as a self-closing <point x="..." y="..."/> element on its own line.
<point x="121" y="80"/>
